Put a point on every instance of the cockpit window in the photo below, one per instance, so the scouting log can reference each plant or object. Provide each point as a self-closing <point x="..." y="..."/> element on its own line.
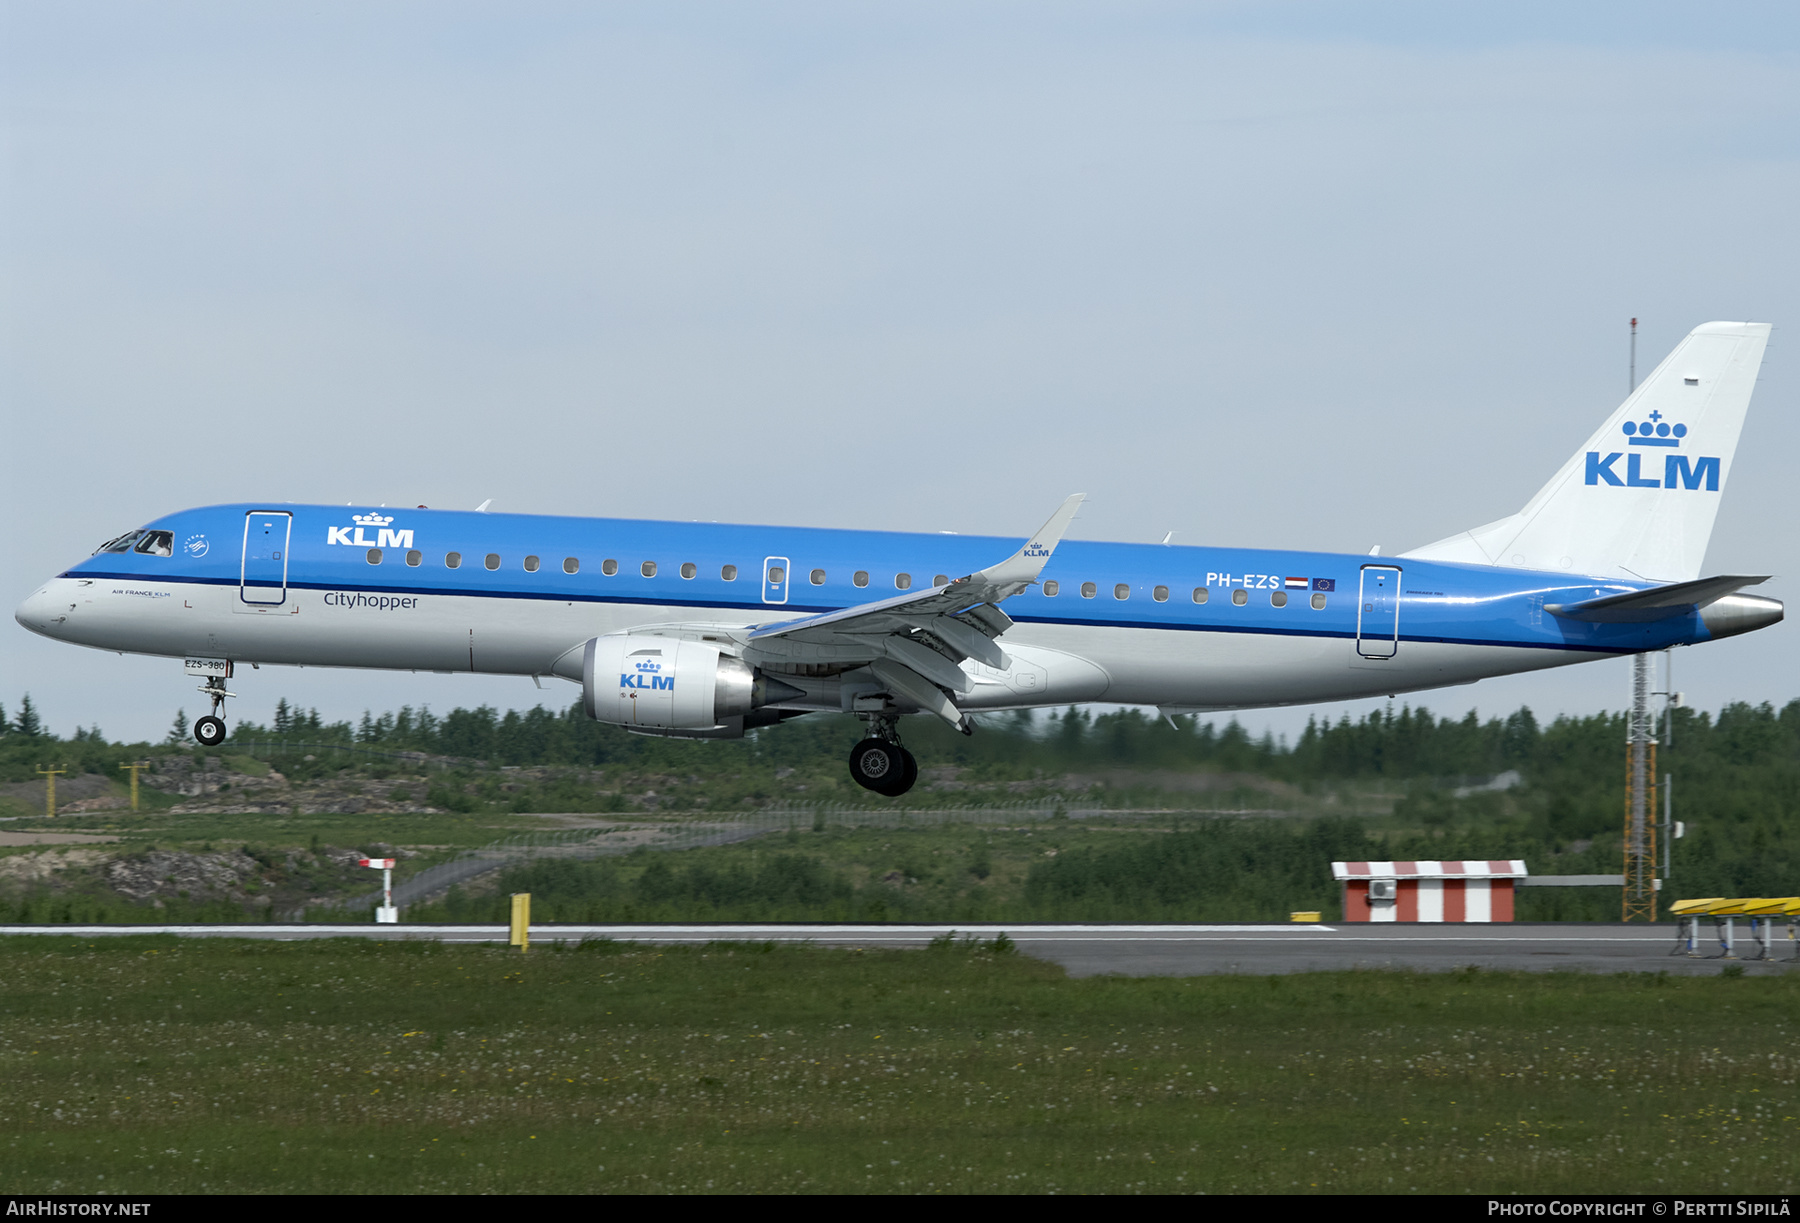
<point x="156" y="543"/>
<point x="121" y="544"/>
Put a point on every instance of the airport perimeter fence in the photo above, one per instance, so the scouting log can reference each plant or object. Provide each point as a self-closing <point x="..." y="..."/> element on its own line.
<point x="617" y="838"/>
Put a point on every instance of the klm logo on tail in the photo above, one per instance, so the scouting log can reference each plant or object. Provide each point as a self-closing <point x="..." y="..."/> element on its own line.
<point x="1677" y="471"/>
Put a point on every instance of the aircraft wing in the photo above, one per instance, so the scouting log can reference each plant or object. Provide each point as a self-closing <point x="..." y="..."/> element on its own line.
<point x="915" y="642"/>
<point x="1657" y="603"/>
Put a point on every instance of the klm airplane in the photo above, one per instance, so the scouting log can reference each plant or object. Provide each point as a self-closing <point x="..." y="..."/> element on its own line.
<point x="706" y="631"/>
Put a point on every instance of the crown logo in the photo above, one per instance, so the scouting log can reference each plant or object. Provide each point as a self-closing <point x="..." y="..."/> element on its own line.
<point x="370" y="520"/>
<point x="649" y="666"/>
<point x="1654" y="432"/>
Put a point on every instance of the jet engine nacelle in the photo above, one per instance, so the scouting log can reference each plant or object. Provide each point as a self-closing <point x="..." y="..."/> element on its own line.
<point x="666" y="684"/>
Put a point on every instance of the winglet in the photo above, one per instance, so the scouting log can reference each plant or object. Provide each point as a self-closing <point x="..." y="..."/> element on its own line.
<point x="1021" y="569"/>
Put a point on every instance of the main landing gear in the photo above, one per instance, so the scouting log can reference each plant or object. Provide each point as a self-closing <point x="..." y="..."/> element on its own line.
<point x="880" y="764"/>
<point x="210" y="731"/>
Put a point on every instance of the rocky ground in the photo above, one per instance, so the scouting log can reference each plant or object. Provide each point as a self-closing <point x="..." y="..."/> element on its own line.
<point x="285" y="880"/>
<point x="225" y="784"/>
<point x="242" y="785"/>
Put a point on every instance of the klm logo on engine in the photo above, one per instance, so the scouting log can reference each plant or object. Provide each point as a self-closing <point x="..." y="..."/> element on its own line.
<point x="1677" y="470"/>
<point x="648" y="675"/>
<point x="357" y="536"/>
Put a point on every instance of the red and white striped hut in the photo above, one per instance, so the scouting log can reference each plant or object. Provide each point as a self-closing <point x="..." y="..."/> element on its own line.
<point x="1429" y="891"/>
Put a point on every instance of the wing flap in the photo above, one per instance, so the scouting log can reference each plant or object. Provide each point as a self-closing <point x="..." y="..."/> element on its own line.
<point x="962" y="616"/>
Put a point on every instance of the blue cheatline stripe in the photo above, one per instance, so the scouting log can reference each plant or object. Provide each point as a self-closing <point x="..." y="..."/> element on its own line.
<point x="721" y="605"/>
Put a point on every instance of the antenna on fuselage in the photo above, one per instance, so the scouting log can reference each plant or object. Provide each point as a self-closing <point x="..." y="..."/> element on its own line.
<point x="482" y="508"/>
<point x="1633" y="386"/>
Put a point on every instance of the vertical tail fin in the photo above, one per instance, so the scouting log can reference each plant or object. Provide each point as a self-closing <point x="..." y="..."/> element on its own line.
<point x="1638" y="500"/>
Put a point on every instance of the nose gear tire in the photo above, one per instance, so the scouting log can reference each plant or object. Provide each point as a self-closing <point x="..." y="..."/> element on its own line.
<point x="209" y="731"/>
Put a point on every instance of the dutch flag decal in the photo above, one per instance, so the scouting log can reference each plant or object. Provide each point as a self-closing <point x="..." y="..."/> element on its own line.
<point x="1296" y="583"/>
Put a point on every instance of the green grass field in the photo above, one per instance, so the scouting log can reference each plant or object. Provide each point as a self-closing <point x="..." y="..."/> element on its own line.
<point x="147" y="1064"/>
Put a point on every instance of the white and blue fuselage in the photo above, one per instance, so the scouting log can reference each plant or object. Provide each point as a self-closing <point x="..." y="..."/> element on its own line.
<point x="705" y="630"/>
<point x="1178" y="627"/>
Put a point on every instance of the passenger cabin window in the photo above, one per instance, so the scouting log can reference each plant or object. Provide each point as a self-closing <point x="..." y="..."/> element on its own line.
<point x="1122" y="591"/>
<point x="453" y="560"/>
<point x="374" y="556"/>
<point x="609" y="566"/>
<point x="1318" y="602"/>
<point x="1240" y="596"/>
<point x="414" y="557"/>
<point x="817" y="577"/>
<point x="777" y="575"/>
<point x="903" y="581"/>
<point x="531" y="564"/>
<point x="571" y="565"/>
<point x="1051" y="587"/>
<point x="1201" y="594"/>
<point x="728" y="573"/>
<point x="1160" y="594"/>
<point x="648" y="569"/>
<point x="1278" y="599"/>
<point x="940" y="580"/>
<point x="1089" y="590"/>
<point x="688" y="570"/>
<point x="492" y="561"/>
<point x="156" y="543"/>
<point x="860" y="577"/>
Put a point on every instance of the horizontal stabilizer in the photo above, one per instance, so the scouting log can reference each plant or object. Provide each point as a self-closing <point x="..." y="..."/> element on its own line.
<point x="1657" y="603"/>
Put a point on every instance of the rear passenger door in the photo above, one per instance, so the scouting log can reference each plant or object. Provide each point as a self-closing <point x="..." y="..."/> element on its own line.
<point x="1378" y="612"/>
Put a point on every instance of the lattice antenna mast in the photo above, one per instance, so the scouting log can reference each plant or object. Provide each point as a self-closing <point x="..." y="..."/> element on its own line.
<point x="1640" y="770"/>
<point x="1640" y="799"/>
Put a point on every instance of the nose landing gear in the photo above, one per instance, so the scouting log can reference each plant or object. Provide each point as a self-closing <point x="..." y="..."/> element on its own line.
<point x="880" y="764"/>
<point x="210" y="731"/>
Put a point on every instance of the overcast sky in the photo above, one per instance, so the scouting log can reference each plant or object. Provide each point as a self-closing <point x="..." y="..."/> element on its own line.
<point x="1312" y="276"/>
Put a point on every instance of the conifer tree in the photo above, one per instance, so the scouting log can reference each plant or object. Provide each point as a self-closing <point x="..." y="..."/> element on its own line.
<point x="27" y="723"/>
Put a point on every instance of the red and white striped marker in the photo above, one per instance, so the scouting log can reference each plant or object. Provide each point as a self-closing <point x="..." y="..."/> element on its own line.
<point x="387" y="914"/>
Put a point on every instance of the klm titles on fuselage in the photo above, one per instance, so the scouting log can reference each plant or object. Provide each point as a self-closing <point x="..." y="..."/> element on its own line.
<point x="1677" y="471"/>
<point x="355" y="536"/>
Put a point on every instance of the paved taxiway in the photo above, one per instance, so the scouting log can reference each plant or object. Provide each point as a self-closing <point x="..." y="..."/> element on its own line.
<point x="1137" y="950"/>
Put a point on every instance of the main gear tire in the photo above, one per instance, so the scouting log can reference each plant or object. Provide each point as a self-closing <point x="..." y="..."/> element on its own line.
<point x="878" y="765"/>
<point x="909" y="774"/>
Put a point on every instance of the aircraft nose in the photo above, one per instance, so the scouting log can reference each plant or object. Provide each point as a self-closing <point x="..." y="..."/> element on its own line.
<point x="39" y="612"/>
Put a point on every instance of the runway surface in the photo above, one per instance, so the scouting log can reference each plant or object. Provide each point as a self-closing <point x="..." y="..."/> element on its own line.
<point x="1138" y="950"/>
